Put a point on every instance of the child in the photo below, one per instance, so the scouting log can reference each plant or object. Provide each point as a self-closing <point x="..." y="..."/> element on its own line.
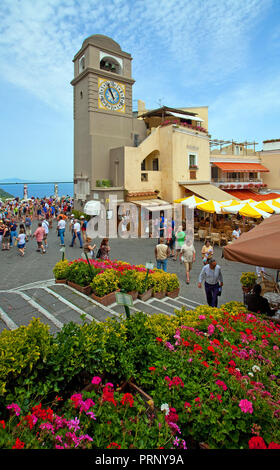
<point x="21" y="241"/>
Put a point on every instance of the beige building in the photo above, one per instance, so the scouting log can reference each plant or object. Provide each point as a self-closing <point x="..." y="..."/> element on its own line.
<point x="152" y="154"/>
<point x="270" y="157"/>
<point x="237" y="168"/>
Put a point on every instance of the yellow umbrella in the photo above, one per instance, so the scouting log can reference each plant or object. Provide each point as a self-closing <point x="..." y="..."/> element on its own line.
<point x="249" y="210"/>
<point x="274" y="205"/>
<point x="190" y="201"/>
<point x="210" y="206"/>
<point x="264" y="207"/>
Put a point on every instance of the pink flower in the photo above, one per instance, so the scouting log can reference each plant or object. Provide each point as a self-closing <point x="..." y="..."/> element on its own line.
<point x="211" y="329"/>
<point x="96" y="380"/>
<point x="15" y="408"/>
<point x="246" y="406"/>
<point x="201" y="317"/>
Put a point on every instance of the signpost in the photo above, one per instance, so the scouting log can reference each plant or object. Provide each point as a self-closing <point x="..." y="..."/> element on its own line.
<point x="62" y="250"/>
<point x="149" y="266"/>
<point x="126" y="300"/>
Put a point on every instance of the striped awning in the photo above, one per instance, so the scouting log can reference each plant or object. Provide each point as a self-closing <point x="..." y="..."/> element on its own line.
<point x="240" y="167"/>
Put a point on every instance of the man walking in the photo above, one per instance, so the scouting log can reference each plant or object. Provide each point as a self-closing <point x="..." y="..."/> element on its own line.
<point x="212" y="275"/>
<point x="188" y="257"/>
<point x="161" y="253"/>
<point x="77" y="233"/>
<point x="61" y="230"/>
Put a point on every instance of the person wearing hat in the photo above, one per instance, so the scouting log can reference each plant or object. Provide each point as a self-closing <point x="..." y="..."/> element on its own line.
<point x="77" y="233"/>
<point x="83" y="227"/>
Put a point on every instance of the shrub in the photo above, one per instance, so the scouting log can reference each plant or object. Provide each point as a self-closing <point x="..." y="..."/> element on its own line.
<point x="105" y="283"/>
<point x="159" y="281"/>
<point x="61" y="270"/>
<point x="172" y="282"/>
<point x="21" y="351"/>
<point x="143" y="282"/>
<point x="127" y="281"/>
<point x="80" y="273"/>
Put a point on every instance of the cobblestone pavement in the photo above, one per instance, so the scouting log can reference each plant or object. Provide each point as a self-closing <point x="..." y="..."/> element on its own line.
<point x="27" y="287"/>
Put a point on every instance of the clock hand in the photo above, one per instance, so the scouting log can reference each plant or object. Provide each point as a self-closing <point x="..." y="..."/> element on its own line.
<point x="111" y="92"/>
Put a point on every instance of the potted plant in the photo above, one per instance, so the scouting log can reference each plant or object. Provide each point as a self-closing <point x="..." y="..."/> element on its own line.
<point x="61" y="271"/>
<point x="80" y="276"/>
<point x="104" y="287"/>
<point x="143" y="285"/>
<point x="128" y="283"/>
<point x="172" y="285"/>
<point x="159" y="284"/>
<point x="248" y="280"/>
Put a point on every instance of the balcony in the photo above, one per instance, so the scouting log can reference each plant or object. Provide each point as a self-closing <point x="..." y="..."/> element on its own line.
<point x="234" y="183"/>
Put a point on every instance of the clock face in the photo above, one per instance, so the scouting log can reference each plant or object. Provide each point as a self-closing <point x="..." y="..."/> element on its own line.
<point x="111" y="95"/>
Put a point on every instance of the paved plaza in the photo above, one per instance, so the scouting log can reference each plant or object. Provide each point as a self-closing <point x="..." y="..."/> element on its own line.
<point x="27" y="287"/>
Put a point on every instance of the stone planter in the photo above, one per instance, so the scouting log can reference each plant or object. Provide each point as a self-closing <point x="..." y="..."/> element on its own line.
<point x="159" y="295"/>
<point x="61" y="281"/>
<point x="146" y="295"/>
<point x="174" y="293"/>
<point x="108" y="299"/>
<point x="133" y="293"/>
<point x="84" y="289"/>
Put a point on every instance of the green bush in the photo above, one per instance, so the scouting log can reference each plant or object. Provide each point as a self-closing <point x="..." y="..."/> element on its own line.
<point x="80" y="273"/>
<point x="218" y="368"/>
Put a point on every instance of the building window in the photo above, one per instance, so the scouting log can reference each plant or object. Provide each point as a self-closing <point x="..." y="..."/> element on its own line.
<point x="155" y="164"/>
<point x="143" y="165"/>
<point x="192" y="175"/>
<point x="144" y="177"/>
<point x="192" y="161"/>
<point x="82" y="64"/>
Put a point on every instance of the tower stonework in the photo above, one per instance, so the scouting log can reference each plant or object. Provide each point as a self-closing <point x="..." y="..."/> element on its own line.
<point x="103" y="118"/>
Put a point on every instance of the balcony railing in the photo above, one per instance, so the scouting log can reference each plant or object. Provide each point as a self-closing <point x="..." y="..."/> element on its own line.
<point x="236" y="180"/>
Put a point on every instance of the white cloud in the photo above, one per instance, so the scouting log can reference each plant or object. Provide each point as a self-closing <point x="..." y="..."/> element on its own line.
<point x="178" y="43"/>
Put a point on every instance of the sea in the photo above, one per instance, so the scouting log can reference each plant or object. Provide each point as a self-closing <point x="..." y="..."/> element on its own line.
<point x="40" y="190"/>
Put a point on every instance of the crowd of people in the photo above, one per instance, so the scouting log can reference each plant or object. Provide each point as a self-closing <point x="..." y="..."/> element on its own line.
<point x="21" y="221"/>
<point x="25" y="220"/>
<point x="19" y="217"/>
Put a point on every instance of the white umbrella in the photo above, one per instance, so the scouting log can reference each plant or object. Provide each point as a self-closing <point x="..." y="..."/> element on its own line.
<point x="92" y="208"/>
<point x="192" y="202"/>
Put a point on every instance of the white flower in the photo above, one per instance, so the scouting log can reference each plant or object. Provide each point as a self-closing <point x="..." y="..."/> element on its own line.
<point x="250" y="373"/>
<point x="165" y="407"/>
<point x="256" y="369"/>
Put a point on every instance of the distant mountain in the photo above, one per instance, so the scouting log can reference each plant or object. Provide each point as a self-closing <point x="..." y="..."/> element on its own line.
<point x="14" y="180"/>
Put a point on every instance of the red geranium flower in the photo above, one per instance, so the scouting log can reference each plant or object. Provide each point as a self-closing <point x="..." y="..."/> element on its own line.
<point x="18" y="444"/>
<point x="113" y="445"/>
<point x="257" y="442"/>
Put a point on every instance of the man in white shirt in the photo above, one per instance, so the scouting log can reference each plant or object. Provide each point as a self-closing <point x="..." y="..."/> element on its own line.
<point x="61" y="230"/>
<point x="212" y="275"/>
<point x="77" y="233"/>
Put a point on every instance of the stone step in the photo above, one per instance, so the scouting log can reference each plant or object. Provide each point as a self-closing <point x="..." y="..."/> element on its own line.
<point x="163" y="306"/>
<point x="96" y="310"/>
<point x="21" y="308"/>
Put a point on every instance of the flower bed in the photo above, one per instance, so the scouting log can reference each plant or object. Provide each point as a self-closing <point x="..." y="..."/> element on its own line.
<point x="100" y="278"/>
<point x="212" y="374"/>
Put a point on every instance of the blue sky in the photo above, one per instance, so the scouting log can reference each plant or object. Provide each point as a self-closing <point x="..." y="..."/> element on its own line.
<point x="218" y="53"/>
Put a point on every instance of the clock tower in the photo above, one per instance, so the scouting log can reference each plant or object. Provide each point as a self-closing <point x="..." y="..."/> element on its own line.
<point x="103" y="118"/>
